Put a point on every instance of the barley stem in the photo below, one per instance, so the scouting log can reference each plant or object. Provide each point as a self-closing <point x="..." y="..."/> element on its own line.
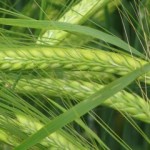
<point x="77" y="15"/>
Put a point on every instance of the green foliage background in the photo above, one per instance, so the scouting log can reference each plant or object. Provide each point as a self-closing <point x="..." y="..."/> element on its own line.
<point x="74" y="74"/>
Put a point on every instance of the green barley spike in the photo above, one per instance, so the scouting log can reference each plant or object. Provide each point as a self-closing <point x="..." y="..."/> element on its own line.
<point x="68" y="59"/>
<point x="28" y="125"/>
<point x="131" y="104"/>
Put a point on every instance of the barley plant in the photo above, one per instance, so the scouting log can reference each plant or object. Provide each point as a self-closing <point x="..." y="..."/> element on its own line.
<point x="74" y="74"/>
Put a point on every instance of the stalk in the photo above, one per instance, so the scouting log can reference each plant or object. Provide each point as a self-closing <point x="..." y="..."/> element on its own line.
<point x="128" y="103"/>
<point x="76" y="15"/>
<point x="77" y="40"/>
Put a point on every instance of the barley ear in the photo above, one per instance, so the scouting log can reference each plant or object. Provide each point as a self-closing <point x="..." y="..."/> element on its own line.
<point x="125" y="102"/>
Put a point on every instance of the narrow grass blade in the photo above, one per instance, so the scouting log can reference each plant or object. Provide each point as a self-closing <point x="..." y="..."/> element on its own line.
<point x="39" y="24"/>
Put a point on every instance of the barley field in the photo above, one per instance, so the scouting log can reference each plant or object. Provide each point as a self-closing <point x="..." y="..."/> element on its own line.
<point x="74" y="75"/>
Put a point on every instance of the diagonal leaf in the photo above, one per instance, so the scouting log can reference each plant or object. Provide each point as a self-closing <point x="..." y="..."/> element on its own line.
<point x="88" y="104"/>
